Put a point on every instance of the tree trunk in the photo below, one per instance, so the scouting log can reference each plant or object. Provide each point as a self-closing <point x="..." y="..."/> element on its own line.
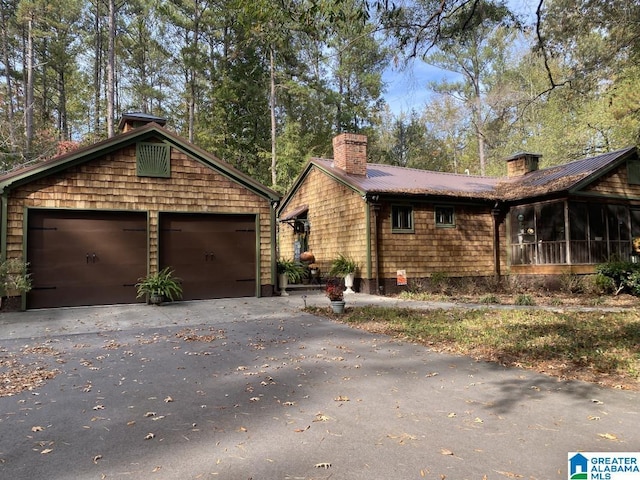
<point x="7" y="70"/>
<point x="97" y="72"/>
<point x="28" y="110"/>
<point x="272" y="105"/>
<point x="111" y="68"/>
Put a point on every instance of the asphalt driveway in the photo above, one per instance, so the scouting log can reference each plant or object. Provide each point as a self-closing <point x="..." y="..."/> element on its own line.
<point x="257" y="389"/>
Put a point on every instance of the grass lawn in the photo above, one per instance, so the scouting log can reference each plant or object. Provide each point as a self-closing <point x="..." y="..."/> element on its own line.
<point x="598" y="347"/>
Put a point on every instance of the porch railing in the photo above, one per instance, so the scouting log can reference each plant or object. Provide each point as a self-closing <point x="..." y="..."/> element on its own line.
<point x="582" y="252"/>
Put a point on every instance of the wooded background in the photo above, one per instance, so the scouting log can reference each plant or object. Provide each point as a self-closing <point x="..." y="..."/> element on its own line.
<point x="264" y="84"/>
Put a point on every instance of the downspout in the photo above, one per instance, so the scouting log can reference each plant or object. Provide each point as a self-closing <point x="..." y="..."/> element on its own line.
<point x="496" y="213"/>
<point x="376" y="250"/>
<point x="274" y="258"/>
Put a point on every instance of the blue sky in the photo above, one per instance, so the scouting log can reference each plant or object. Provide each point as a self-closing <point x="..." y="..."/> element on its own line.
<point x="407" y="89"/>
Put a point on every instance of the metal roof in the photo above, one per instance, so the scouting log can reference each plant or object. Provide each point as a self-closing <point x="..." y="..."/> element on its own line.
<point x="389" y="179"/>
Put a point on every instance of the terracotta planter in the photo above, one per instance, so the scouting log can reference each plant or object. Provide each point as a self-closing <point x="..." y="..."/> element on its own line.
<point x="307" y="257"/>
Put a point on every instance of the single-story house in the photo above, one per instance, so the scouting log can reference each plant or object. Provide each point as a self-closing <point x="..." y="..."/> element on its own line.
<point x="93" y="221"/>
<point x="402" y="224"/>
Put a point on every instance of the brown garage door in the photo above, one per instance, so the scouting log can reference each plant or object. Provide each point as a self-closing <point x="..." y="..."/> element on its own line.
<point x="214" y="255"/>
<point x="85" y="258"/>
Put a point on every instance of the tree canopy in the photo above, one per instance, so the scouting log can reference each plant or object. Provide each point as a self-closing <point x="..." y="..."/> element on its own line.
<point x="266" y="85"/>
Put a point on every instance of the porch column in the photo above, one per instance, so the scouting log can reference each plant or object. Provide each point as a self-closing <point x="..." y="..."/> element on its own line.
<point x="496" y="214"/>
<point x="567" y="232"/>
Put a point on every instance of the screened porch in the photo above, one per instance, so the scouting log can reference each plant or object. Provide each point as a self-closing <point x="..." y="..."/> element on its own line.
<point x="572" y="233"/>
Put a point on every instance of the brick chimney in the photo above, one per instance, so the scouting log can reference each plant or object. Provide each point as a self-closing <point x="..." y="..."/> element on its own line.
<point x="350" y="153"/>
<point x="129" y="121"/>
<point x="522" y="163"/>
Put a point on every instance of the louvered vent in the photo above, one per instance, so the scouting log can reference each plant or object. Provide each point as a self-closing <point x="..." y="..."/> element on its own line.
<point x="633" y="172"/>
<point x="153" y="160"/>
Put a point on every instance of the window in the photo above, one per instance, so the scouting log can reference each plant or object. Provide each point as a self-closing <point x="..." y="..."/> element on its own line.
<point x="445" y="217"/>
<point x="401" y="218"/>
<point x="153" y="160"/>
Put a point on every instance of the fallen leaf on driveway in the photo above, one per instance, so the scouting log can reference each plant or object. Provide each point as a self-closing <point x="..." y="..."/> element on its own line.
<point x="96" y="458"/>
<point x="341" y="398"/>
<point x="168" y="400"/>
<point x="37" y="429"/>
<point x="508" y="474"/>
<point x="445" y="451"/>
<point x="149" y="436"/>
<point x="321" y="417"/>
<point x="47" y="450"/>
<point x="608" y="436"/>
<point x="323" y="465"/>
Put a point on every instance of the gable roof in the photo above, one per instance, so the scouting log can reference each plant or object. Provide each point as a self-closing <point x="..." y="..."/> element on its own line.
<point x="393" y="180"/>
<point x="147" y="132"/>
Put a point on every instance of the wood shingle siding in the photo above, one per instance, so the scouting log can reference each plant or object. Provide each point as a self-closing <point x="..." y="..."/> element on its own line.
<point x="198" y="183"/>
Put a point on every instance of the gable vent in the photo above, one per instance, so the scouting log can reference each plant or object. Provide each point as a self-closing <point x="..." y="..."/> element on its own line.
<point x="153" y="160"/>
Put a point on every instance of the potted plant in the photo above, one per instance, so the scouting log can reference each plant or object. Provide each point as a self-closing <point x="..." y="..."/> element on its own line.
<point x="336" y="295"/>
<point x="344" y="267"/>
<point x="160" y="286"/>
<point x="289" y="271"/>
<point x="14" y="279"/>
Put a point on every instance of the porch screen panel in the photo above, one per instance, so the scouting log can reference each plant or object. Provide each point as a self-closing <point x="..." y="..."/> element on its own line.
<point x="619" y="233"/>
<point x="598" y="234"/>
<point x="523" y="235"/>
<point x="635" y="229"/>
<point x="579" y="229"/>
<point x="550" y="238"/>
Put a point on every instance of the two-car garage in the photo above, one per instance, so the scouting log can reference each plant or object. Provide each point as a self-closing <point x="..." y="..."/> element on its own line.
<point x="91" y="222"/>
<point x="96" y="257"/>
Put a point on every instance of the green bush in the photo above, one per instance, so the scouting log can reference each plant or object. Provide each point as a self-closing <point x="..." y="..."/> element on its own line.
<point x="525" y="300"/>
<point x="624" y="275"/>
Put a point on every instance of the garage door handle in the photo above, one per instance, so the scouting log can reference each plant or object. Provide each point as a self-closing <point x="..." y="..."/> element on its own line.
<point x="207" y="255"/>
<point x="91" y="257"/>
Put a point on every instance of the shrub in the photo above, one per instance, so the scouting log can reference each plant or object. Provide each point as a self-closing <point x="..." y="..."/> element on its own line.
<point x="524" y="300"/>
<point x="571" y="283"/>
<point x="489" y="299"/>
<point x="624" y="275"/>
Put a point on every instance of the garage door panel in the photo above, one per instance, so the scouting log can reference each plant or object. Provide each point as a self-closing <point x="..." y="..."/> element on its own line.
<point x="85" y="257"/>
<point x="214" y="255"/>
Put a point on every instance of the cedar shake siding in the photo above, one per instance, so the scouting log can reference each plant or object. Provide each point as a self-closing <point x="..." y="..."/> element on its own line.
<point x="198" y="184"/>
<point x="336" y="214"/>
<point x="561" y="219"/>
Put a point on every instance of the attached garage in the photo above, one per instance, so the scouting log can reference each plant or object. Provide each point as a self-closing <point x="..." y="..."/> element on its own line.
<point x="214" y="255"/>
<point x="91" y="222"/>
<point x="101" y="255"/>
